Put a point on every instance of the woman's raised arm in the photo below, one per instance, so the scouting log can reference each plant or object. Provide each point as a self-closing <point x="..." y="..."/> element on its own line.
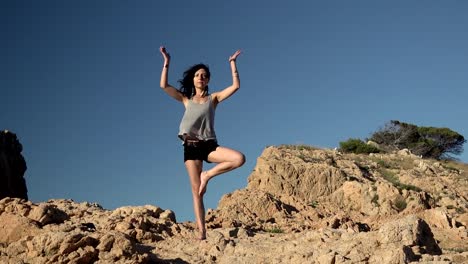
<point x="169" y="89"/>
<point x="230" y="90"/>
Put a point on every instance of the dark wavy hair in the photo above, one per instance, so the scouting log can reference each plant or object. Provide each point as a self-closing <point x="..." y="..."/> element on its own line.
<point x="186" y="83"/>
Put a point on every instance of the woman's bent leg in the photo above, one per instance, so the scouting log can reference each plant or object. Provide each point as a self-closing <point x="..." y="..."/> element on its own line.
<point x="194" y="169"/>
<point x="227" y="159"/>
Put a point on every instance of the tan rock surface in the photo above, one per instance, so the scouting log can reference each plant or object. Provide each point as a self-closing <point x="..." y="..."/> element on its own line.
<point x="301" y="205"/>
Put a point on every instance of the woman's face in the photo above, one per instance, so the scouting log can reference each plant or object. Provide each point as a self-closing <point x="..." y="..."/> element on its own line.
<point x="200" y="80"/>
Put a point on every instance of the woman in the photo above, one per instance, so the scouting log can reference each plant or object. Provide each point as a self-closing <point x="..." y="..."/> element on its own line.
<point x="197" y="129"/>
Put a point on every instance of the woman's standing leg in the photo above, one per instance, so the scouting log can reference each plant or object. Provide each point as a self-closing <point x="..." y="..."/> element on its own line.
<point x="194" y="169"/>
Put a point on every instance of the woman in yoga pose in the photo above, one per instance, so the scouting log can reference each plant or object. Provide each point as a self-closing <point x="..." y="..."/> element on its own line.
<point x="197" y="128"/>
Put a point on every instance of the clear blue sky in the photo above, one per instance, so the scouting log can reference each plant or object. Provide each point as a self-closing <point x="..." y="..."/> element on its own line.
<point x="80" y="85"/>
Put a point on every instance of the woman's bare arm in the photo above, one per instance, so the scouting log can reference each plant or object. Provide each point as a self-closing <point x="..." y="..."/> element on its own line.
<point x="230" y="90"/>
<point x="169" y="89"/>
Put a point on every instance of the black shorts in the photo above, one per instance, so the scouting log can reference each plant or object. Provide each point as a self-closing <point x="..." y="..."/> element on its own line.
<point x="199" y="150"/>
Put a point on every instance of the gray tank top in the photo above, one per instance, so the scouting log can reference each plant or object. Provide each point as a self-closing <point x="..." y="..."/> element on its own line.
<point x="198" y="121"/>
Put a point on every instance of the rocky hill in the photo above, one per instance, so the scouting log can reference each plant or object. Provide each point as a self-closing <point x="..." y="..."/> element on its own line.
<point x="301" y="205"/>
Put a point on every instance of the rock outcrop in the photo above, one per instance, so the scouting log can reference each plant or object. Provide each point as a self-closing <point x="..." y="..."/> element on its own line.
<point x="296" y="189"/>
<point x="301" y="205"/>
<point x="62" y="231"/>
<point x="12" y="167"/>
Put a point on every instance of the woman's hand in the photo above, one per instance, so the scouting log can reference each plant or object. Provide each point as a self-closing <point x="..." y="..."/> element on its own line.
<point x="165" y="54"/>
<point x="235" y="55"/>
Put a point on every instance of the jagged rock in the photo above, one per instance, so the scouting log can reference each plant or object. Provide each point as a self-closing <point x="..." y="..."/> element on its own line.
<point x="437" y="218"/>
<point x="62" y="231"/>
<point x="409" y="232"/>
<point x="358" y="196"/>
<point x="47" y="214"/>
<point x="168" y="215"/>
<point x="12" y="167"/>
<point x="301" y="205"/>
<point x="13" y="227"/>
<point x="248" y="208"/>
<point x="373" y="143"/>
<point x="404" y="152"/>
<point x="287" y="175"/>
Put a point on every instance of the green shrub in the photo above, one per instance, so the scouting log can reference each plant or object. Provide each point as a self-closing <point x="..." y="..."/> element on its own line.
<point x="313" y="204"/>
<point x="383" y="164"/>
<point x="390" y="177"/>
<point x="357" y="146"/>
<point x="393" y="179"/>
<point x="375" y="199"/>
<point x="400" y="204"/>
<point x="458" y="250"/>
<point x="451" y="168"/>
<point x="275" y="230"/>
<point x="297" y="147"/>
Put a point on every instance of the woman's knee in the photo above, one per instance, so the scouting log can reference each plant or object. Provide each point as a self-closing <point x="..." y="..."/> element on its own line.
<point x="239" y="160"/>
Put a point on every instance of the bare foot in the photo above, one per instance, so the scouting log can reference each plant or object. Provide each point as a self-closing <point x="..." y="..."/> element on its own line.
<point x="202" y="235"/>
<point x="203" y="182"/>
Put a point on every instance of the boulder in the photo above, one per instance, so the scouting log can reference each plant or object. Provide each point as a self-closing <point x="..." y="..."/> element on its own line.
<point x="12" y="167"/>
